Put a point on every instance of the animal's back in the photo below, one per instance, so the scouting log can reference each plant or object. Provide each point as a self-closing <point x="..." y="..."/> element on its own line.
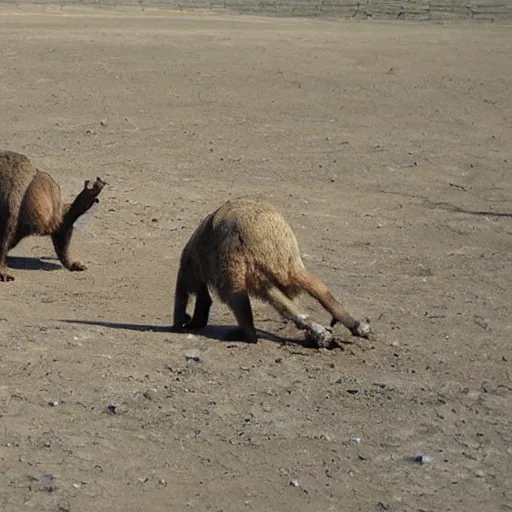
<point x="41" y="208"/>
<point x="246" y="243"/>
<point x="16" y="173"/>
<point x="247" y="248"/>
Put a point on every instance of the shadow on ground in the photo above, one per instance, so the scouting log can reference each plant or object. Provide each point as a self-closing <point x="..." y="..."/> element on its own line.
<point x="216" y="332"/>
<point x="29" y="263"/>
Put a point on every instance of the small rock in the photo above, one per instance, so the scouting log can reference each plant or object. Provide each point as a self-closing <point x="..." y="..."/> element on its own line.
<point x="195" y="359"/>
<point x="103" y="122"/>
<point x="148" y="394"/>
<point x="419" y="459"/>
<point x="64" y="506"/>
<point x="353" y="391"/>
<point x="356" y="440"/>
<point x="294" y="483"/>
<point x="193" y="433"/>
<point x="479" y="473"/>
<point x="47" y="482"/>
<point x="53" y="404"/>
<point x="115" y="409"/>
<point x="162" y="482"/>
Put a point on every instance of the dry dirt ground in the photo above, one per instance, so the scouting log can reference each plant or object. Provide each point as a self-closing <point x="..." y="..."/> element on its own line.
<point x="388" y="149"/>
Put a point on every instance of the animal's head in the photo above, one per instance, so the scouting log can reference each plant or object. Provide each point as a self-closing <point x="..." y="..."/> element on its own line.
<point x="87" y="198"/>
<point x="91" y="191"/>
<point x="89" y="195"/>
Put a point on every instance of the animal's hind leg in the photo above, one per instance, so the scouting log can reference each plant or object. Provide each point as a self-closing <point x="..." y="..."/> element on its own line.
<point x="287" y="308"/>
<point x="240" y="304"/>
<point x="6" y="235"/>
<point x="201" y="309"/>
<point x="315" y="287"/>
<point x="15" y="240"/>
<point x="181" y="298"/>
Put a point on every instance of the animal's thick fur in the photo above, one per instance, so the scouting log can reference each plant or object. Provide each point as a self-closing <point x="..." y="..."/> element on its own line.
<point x="30" y="204"/>
<point x="246" y="248"/>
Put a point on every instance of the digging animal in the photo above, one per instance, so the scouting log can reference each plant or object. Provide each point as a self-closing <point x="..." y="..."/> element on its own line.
<point x="246" y="248"/>
<point x="30" y="204"/>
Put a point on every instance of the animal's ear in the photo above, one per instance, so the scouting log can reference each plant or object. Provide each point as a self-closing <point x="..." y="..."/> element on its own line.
<point x="99" y="184"/>
<point x="87" y="184"/>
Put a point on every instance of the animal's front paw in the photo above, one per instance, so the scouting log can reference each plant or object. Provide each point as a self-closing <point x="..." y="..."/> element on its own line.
<point x="362" y="329"/>
<point x="5" y="277"/>
<point x="183" y="323"/>
<point x="319" y="335"/>
<point x="195" y="324"/>
<point x="76" y="266"/>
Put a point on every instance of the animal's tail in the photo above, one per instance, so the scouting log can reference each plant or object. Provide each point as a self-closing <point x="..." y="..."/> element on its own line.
<point x="314" y="286"/>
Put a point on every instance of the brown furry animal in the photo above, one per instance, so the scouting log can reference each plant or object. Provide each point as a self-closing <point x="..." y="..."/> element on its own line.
<point x="246" y="248"/>
<point x="30" y="204"/>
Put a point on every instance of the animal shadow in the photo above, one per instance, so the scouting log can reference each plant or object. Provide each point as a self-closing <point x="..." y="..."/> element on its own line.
<point x="216" y="332"/>
<point x="30" y="263"/>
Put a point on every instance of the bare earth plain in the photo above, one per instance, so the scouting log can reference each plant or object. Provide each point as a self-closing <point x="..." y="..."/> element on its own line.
<point x="387" y="146"/>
